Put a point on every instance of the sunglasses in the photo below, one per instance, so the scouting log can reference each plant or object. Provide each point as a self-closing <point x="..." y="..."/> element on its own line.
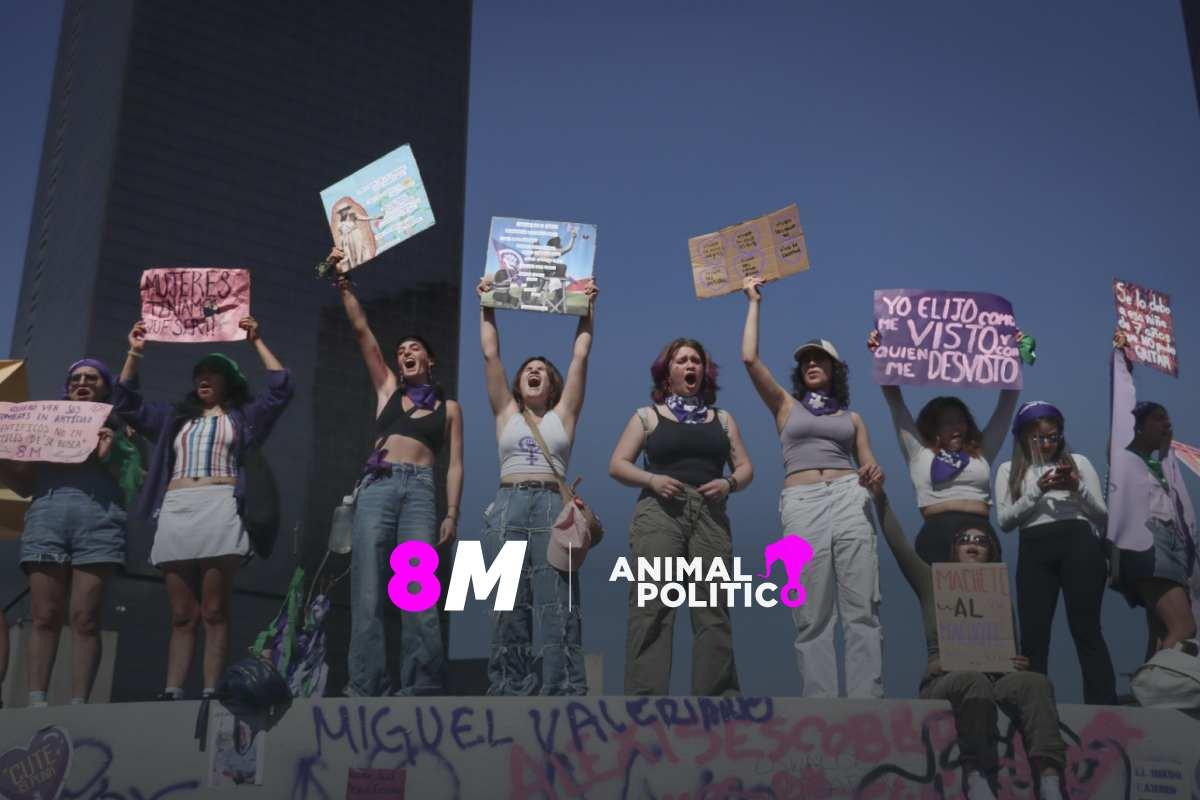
<point x="980" y="539"/>
<point x="82" y="378"/>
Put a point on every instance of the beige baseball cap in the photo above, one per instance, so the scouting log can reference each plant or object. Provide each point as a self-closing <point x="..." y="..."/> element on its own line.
<point x="824" y="345"/>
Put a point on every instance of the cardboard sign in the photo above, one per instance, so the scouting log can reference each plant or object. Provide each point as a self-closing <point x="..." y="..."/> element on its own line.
<point x="375" y="784"/>
<point x="195" y="304"/>
<point x="377" y="207"/>
<point x="1145" y="317"/>
<point x="59" y="431"/>
<point x="771" y="246"/>
<point x="974" y="617"/>
<point x="538" y="265"/>
<point x="938" y="338"/>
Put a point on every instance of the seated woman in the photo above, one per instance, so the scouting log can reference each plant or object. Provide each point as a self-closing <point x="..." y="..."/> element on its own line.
<point x="974" y="696"/>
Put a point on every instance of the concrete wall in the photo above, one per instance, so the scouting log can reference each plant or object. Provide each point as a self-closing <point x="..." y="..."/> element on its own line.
<point x="755" y="747"/>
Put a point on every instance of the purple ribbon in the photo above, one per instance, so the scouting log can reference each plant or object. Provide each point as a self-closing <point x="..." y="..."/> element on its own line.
<point x="421" y="395"/>
<point x="689" y="410"/>
<point x="377" y="465"/>
<point x="946" y="465"/>
<point x="821" y="403"/>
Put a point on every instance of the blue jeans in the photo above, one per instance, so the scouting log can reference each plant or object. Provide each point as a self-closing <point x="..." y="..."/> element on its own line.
<point x="545" y="619"/>
<point x="396" y="508"/>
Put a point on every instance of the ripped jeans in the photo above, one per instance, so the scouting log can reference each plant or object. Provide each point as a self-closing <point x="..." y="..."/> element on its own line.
<point x="543" y="626"/>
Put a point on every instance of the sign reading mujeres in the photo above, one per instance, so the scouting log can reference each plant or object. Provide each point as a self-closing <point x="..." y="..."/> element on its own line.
<point x="930" y="337"/>
<point x="195" y="304"/>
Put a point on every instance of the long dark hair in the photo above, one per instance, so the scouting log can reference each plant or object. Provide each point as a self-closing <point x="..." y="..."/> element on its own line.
<point x="556" y="382"/>
<point x="839" y="381"/>
<point x="1023" y="456"/>
<point x="931" y="414"/>
<point x="438" y="391"/>
<point x="660" y="372"/>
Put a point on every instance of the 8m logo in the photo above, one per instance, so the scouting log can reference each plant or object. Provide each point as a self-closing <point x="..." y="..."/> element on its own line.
<point x="415" y="585"/>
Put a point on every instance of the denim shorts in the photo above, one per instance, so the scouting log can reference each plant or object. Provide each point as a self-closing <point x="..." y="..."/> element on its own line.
<point x="1172" y="558"/>
<point x="66" y="525"/>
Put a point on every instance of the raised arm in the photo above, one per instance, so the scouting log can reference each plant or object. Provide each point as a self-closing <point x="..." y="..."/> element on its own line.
<point x="997" y="427"/>
<point x="778" y="401"/>
<point x="382" y="377"/>
<point x="902" y="420"/>
<point x="137" y="349"/>
<point x="147" y="419"/>
<point x="499" y="395"/>
<point x="1124" y="394"/>
<point x="250" y="326"/>
<point x="575" y="386"/>
<point x="454" y="474"/>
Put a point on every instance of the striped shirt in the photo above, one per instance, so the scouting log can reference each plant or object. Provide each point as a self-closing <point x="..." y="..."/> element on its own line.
<point x="204" y="449"/>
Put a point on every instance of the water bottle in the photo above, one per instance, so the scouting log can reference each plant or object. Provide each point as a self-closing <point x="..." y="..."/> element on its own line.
<point x="342" y="527"/>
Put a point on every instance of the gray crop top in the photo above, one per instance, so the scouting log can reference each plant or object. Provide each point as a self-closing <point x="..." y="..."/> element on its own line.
<point x="813" y="442"/>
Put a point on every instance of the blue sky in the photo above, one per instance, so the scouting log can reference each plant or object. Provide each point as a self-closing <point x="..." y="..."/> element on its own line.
<point x="1032" y="150"/>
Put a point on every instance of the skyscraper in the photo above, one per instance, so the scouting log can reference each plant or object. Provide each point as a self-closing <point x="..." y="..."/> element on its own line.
<point x="183" y="134"/>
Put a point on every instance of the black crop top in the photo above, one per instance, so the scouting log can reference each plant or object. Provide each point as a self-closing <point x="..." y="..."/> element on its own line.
<point x="694" y="454"/>
<point x="429" y="430"/>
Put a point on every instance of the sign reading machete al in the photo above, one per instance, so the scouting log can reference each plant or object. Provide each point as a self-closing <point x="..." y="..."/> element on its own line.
<point x="195" y="304"/>
<point x="771" y="246"/>
<point x="938" y="338"/>
<point x="50" y="430"/>
<point x="1145" y="317"/>
<point x="974" y="617"/>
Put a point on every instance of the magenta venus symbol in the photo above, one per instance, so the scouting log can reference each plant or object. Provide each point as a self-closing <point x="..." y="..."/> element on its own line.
<point x="794" y="552"/>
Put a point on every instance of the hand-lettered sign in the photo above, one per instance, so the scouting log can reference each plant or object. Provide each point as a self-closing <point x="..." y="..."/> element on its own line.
<point x="375" y="784"/>
<point x="51" y="430"/>
<point x="771" y="246"/>
<point x="37" y="772"/>
<point x="539" y="265"/>
<point x="974" y="617"/>
<point x="377" y="207"/>
<point x="937" y="338"/>
<point x="195" y="304"/>
<point x="1145" y="317"/>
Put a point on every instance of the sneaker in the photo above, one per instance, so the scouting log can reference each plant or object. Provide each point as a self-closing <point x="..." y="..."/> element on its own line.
<point x="165" y="696"/>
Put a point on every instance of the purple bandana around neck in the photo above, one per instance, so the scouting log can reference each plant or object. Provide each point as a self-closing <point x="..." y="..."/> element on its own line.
<point x="421" y="395"/>
<point x="947" y="465"/>
<point x="689" y="410"/>
<point x="821" y="403"/>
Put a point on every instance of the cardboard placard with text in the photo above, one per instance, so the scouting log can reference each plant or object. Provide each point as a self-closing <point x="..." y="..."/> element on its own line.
<point x="375" y="783"/>
<point x="930" y="337"/>
<point x="771" y="246"/>
<point x="377" y="207"/>
<point x="195" y="304"/>
<point x="974" y="617"/>
<point x="539" y="265"/>
<point x="59" y="431"/>
<point x="1145" y="317"/>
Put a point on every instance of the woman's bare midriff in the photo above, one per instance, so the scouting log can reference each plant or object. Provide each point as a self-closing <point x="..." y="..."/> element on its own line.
<point x="192" y="483"/>
<point x="404" y="450"/>
<point x="961" y="506"/>
<point x="807" y="477"/>
<point x="528" y="476"/>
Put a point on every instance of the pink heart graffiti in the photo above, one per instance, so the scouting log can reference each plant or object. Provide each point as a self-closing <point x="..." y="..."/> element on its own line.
<point x="794" y="552"/>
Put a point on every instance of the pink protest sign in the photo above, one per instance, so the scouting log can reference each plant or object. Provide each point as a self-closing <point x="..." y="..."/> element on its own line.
<point x="50" y="430"/>
<point x="375" y="784"/>
<point x="195" y="304"/>
<point x="1145" y="316"/>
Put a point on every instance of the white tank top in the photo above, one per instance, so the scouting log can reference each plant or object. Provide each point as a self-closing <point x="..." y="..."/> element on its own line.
<point x="519" y="451"/>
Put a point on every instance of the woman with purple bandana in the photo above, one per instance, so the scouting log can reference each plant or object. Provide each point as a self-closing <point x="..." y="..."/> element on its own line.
<point x="74" y="537"/>
<point x="546" y="614"/>
<point x="397" y="502"/>
<point x="828" y="462"/>
<point x="680" y="513"/>
<point x="949" y="459"/>
<point x="1150" y="516"/>
<point x="1054" y="497"/>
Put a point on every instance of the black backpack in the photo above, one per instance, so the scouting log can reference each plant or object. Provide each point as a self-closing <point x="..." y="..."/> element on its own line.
<point x="260" y="505"/>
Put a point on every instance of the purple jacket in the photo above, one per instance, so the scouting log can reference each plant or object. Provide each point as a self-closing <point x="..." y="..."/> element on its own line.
<point x="1131" y="485"/>
<point x="160" y="422"/>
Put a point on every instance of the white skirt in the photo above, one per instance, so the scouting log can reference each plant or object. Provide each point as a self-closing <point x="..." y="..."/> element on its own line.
<point x="199" y="522"/>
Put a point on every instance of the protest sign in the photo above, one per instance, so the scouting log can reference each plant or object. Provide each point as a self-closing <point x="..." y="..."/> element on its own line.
<point x="13" y="389"/>
<point x="771" y="246"/>
<point x="375" y="783"/>
<point x="936" y="338"/>
<point x="377" y="207"/>
<point x="537" y="265"/>
<point x="974" y="617"/>
<point x="202" y="304"/>
<point x="1145" y="317"/>
<point x="50" y="430"/>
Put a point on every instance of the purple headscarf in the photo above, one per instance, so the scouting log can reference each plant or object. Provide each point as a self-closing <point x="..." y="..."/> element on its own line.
<point x="1034" y="410"/>
<point x="99" y="366"/>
